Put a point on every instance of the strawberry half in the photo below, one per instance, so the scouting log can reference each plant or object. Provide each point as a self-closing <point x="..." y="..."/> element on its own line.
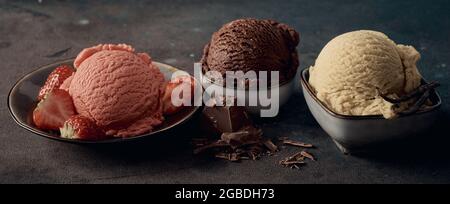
<point x="53" y="110"/>
<point x="186" y="86"/>
<point x="81" y="128"/>
<point x="55" y="79"/>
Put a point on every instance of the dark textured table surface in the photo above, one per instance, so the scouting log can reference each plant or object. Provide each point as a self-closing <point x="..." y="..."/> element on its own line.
<point x="175" y="33"/>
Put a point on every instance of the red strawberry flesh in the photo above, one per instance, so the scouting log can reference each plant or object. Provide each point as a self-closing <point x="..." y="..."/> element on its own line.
<point x="53" y="110"/>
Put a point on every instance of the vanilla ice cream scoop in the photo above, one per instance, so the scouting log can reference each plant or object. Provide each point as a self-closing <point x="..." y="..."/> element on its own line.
<point x="354" y="68"/>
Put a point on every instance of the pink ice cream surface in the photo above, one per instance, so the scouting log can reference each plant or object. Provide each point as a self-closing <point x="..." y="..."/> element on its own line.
<point x="66" y="84"/>
<point x="118" y="89"/>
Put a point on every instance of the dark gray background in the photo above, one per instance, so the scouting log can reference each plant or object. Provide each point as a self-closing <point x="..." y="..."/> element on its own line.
<point x="175" y="33"/>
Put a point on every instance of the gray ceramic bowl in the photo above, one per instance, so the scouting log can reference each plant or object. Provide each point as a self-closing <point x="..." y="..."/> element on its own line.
<point x="357" y="133"/>
<point x="285" y="92"/>
<point x="22" y="100"/>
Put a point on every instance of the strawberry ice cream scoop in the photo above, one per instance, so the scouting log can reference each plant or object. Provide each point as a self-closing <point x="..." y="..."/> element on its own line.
<point x="118" y="89"/>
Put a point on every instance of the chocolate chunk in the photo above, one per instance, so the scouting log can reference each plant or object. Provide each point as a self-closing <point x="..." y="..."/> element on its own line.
<point x="239" y="138"/>
<point x="222" y="118"/>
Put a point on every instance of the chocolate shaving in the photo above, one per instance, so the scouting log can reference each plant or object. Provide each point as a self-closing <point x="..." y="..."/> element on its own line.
<point x="272" y="147"/>
<point x="234" y="157"/>
<point x="222" y="155"/>
<point x="296" y="157"/>
<point x="307" y="155"/>
<point x="246" y="136"/>
<point x="293" y="161"/>
<point x="228" y="156"/>
<point x="295" y="166"/>
<point x="297" y="143"/>
<point x="239" y="139"/>
<point x="247" y="143"/>
<point x="253" y="156"/>
<point x="210" y="146"/>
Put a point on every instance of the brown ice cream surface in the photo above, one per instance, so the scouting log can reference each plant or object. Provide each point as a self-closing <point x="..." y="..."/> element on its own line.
<point x="251" y="44"/>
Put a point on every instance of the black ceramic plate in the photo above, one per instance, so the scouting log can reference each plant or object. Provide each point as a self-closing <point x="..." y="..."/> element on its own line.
<point x="22" y="100"/>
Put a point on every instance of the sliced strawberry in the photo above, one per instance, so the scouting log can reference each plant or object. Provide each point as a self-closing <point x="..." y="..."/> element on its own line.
<point x="55" y="79"/>
<point x="79" y="127"/>
<point x="184" y="83"/>
<point x="53" y="110"/>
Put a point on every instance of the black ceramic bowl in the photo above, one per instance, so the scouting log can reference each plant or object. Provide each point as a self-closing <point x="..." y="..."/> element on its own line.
<point x="22" y="101"/>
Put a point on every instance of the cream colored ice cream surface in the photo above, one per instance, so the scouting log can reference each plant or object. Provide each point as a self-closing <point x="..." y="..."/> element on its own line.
<point x="354" y="68"/>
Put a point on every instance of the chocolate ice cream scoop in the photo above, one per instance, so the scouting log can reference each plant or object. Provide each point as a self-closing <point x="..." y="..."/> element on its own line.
<point x="252" y="44"/>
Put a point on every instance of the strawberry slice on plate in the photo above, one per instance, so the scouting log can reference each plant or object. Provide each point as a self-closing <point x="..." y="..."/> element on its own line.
<point x="81" y="128"/>
<point x="55" y="79"/>
<point x="184" y="86"/>
<point x="53" y="110"/>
